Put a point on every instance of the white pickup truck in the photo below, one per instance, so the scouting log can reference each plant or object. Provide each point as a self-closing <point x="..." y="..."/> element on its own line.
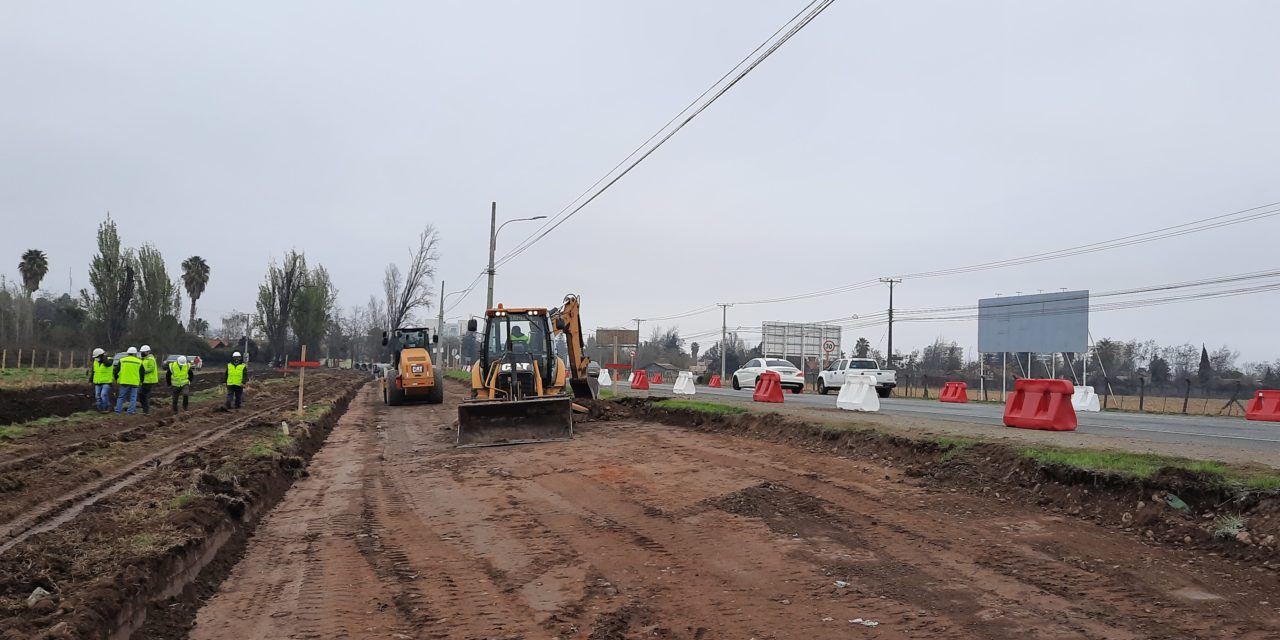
<point x="833" y="376"/>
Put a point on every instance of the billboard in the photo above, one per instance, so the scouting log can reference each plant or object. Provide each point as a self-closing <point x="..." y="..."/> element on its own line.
<point x="793" y="339"/>
<point x="1040" y="323"/>
<point x="621" y="337"/>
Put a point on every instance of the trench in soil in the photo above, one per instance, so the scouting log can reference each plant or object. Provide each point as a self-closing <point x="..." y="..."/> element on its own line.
<point x="205" y="514"/>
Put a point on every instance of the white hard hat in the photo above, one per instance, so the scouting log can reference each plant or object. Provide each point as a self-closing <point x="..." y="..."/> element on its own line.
<point x="133" y="351"/>
<point x="182" y="359"/>
<point x="98" y="352"/>
<point x="145" y="349"/>
<point x="235" y="355"/>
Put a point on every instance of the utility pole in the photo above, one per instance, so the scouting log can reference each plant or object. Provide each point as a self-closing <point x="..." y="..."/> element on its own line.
<point x="493" y="246"/>
<point x="891" y="282"/>
<point x="724" y="335"/>
<point x="635" y="358"/>
<point x="440" y="328"/>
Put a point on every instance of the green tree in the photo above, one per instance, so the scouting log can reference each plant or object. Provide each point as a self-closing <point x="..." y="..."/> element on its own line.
<point x="195" y="277"/>
<point x="694" y="348"/>
<point x="111" y="276"/>
<point x="157" y="298"/>
<point x="862" y="347"/>
<point x="1160" y="371"/>
<point x="34" y="266"/>
<point x="1206" y="367"/>
<point x="313" y="309"/>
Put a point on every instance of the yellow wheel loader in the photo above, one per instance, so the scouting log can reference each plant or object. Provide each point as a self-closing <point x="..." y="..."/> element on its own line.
<point x="411" y="375"/>
<point x="519" y="385"/>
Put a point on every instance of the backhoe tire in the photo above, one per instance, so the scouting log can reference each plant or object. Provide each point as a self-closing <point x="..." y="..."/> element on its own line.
<point x="395" y="397"/>
<point x="436" y="395"/>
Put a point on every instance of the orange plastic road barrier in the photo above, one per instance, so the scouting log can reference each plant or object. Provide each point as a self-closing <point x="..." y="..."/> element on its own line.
<point x="715" y="381"/>
<point x="640" y="381"/>
<point x="954" y="392"/>
<point x="657" y="378"/>
<point x="1264" y="405"/>
<point x="1041" y="404"/>
<point x="768" y="388"/>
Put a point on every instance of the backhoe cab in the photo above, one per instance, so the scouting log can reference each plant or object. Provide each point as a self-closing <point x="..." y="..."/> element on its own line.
<point x="519" y="384"/>
<point x="411" y="375"/>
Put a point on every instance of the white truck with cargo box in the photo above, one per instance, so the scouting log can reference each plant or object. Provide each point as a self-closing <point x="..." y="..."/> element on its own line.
<point x="833" y="376"/>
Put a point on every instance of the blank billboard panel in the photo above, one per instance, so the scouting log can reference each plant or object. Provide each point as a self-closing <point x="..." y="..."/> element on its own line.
<point x="1040" y="323"/>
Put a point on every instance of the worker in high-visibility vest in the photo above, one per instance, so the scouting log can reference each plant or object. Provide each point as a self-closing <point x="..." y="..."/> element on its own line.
<point x="180" y="378"/>
<point x="150" y="377"/>
<point x="237" y="375"/>
<point x="128" y="374"/>
<point x="100" y="376"/>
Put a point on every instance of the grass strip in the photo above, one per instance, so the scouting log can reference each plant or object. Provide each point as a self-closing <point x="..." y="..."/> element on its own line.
<point x="698" y="405"/>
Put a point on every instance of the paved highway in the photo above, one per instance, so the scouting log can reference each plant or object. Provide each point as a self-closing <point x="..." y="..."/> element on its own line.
<point x="1174" y="429"/>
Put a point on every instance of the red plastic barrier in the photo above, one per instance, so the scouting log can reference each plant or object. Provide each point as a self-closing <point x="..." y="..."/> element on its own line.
<point x="641" y="381"/>
<point x="1264" y="405"/>
<point x="954" y="392"/>
<point x="715" y="381"/>
<point x="1041" y="404"/>
<point x="657" y="378"/>
<point x="768" y="388"/>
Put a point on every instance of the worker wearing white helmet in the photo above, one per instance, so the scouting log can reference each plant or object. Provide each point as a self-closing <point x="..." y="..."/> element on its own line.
<point x="150" y="377"/>
<point x="180" y="377"/>
<point x="101" y="377"/>
<point x="129" y="378"/>
<point x="237" y="375"/>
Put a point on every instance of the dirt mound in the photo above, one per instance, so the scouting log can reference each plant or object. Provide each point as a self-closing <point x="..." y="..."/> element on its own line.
<point x="21" y="405"/>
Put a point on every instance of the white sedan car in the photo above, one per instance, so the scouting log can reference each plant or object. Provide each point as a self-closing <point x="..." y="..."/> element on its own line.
<point x="789" y="376"/>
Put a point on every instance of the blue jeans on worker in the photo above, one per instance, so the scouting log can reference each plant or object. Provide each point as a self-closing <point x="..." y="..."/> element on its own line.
<point x="102" y="393"/>
<point x="127" y="391"/>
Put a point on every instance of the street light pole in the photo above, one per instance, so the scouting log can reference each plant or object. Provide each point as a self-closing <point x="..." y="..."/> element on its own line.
<point x="724" y="336"/>
<point x="493" y="245"/>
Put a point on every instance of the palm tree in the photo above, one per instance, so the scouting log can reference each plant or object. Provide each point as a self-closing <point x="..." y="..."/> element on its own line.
<point x="862" y="348"/>
<point x="195" y="275"/>
<point x="34" y="266"/>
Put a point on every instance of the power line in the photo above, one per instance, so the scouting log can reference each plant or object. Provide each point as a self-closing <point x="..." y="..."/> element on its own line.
<point x="804" y="20"/>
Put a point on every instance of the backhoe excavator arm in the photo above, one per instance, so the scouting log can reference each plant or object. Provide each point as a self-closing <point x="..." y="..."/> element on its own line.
<point x="565" y="320"/>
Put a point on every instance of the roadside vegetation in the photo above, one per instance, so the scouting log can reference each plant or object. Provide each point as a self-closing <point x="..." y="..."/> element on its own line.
<point x="20" y="378"/>
<point x="705" y="407"/>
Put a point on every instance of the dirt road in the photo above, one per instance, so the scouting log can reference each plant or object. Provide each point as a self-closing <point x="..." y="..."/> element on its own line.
<point x="638" y="530"/>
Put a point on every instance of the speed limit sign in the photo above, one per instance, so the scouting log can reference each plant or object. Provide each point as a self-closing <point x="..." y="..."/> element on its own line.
<point x="829" y="346"/>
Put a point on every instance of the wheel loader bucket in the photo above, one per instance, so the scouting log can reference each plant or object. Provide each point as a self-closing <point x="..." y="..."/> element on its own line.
<point x="486" y="423"/>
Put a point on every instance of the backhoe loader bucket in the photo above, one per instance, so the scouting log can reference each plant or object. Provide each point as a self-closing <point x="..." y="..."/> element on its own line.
<point x="486" y="423"/>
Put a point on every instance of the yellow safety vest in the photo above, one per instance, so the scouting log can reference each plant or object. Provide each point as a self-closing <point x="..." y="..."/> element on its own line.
<point x="235" y="374"/>
<point x="130" y="371"/>
<point x="179" y="374"/>
<point x="150" y="372"/>
<point x="102" y="373"/>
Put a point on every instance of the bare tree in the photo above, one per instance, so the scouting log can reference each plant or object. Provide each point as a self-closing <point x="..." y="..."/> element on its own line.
<point x="407" y="292"/>
<point x="276" y="297"/>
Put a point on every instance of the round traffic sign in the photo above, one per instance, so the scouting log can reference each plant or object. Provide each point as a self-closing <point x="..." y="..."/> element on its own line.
<point x="829" y="346"/>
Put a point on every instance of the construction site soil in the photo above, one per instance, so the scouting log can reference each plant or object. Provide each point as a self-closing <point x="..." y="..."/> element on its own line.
<point x="651" y="523"/>
<point x="129" y="511"/>
<point x="30" y="403"/>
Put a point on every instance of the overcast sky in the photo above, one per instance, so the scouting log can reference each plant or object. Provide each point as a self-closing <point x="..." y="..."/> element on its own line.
<point x="887" y="137"/>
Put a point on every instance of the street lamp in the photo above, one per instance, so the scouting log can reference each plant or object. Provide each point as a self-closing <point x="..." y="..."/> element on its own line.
<point x="440" y="319"/>
<point x="493" y="244"/>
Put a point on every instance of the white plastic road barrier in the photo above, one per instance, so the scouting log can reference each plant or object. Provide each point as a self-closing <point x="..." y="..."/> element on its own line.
<point x="604" y="379"/>
<point x="858" y="393"/>
<point x="684" y="384"/>
<point x="632" y="379"/>
<point x="1084" y="399"/>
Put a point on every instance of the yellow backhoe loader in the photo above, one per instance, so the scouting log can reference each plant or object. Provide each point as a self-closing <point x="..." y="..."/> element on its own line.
<point x="519" y="385"/>
<point x="412" y="375"/>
